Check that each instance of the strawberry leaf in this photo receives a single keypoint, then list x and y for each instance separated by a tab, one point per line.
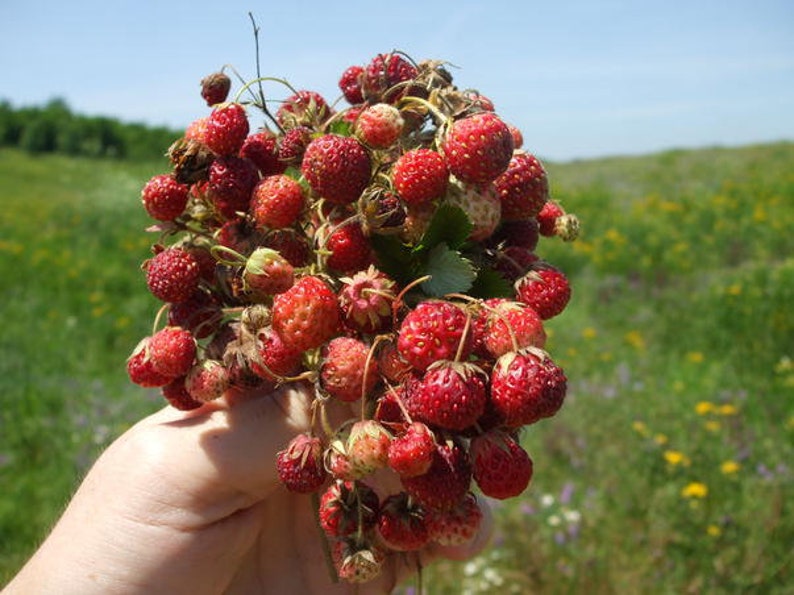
449	272
394	258
341	128
450	225
490	284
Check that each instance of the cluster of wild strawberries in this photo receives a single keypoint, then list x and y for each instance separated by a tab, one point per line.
382	254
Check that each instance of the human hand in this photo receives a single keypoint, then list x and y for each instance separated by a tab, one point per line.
190	502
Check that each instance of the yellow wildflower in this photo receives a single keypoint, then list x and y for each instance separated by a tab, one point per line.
729	467
712	426
635	339
714	530
704	407
695	357
660	439
640	427
728	409
695	489
589	333
675	457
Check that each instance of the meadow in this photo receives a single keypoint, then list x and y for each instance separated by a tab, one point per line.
668	470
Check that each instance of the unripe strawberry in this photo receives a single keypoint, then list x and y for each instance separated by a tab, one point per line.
367	447
481	205
356	561
207	381
379	126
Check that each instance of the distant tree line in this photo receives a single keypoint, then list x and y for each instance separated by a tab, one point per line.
54	128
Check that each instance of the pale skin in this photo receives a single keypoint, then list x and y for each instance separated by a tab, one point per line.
190	502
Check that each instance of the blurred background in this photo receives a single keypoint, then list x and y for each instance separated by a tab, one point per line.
666	128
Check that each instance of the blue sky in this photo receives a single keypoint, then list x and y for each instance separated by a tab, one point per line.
579	78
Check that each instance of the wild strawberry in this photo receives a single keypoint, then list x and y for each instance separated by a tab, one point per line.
172	351
456	525
164	198
511	326
140	369
446	482
350	84
434	330
545	289
379	126
367	447
501	467
417	221
478	148
388	410
526	386
522	233
277	201
383	211
347	507
480	204
197	130
357	561
290	245
383	77
304	108
177	396
172	275
518	138
307	314
227	128
513	262
300	465
391	364
450	395
349	249
215	88
231	180
366	300
547	217
201	314
411	452
293	145
420	175
523	188
207	380
261	149
239	234
337	168
347	371
266	272
275	358
480	101
401	524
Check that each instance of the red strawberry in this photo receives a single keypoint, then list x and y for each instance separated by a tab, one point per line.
347	507
366	300
420	175
201	314
547	217
411	452
177	396
164	198
215	88
337	168
307	314
207	380
300	465
293	145
434	330
521	234
275	358
513	262
266	273
277	201
456	525
231	180
173	275
481	205
511	326
545	289
367	447
261	149
526	386
172	351
379	126
140	369
290	245
478	148
227	128
349	249
382	78
197	130
347	371
350	84
391	364
304	108
450	395
501	467
446	482
401	524
523	188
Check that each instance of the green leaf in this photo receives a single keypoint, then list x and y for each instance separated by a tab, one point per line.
341	128
449	272
394	258
450	225
490	284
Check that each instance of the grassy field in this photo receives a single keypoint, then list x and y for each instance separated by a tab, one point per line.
669	470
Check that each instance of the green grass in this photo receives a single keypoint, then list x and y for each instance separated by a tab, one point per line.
667	471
